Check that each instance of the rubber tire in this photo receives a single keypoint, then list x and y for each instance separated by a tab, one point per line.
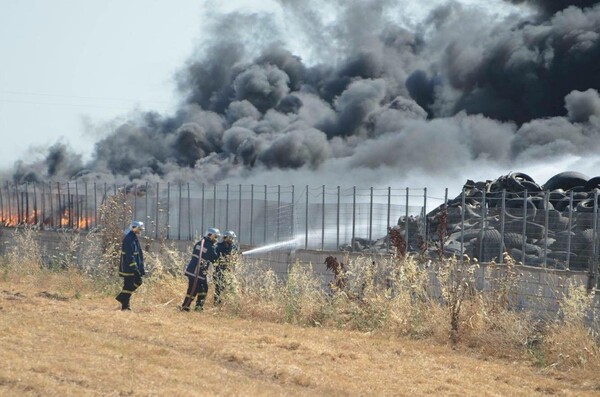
566	180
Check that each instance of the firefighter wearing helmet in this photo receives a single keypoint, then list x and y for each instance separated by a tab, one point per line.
203	254
226	250
131	266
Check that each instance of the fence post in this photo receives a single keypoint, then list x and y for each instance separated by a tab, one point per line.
482	229
353	217
35	208
134	200
214	205
389	210
592	273
19	200
337	241
227	207
145	203
2	205
95	203
292	212
278	211
78	205
524	239
189	212
323	221
42	202
8	198
426	226
202	212
240	211
502	220
252	214
306	222
156	218
371	216
546	225
570	224
168	210
179	212
70	205
19	204
59	212
87	210
406	223
51	205
462	225
265	218
27	212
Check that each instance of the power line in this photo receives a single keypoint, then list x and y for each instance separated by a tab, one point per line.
61	104
41	94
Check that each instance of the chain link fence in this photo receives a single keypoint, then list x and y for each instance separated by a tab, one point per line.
315	217
542	229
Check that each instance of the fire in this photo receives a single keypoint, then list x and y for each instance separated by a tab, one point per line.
11	221
64	219
35	218
73	221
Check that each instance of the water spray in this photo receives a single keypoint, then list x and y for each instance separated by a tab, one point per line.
292	244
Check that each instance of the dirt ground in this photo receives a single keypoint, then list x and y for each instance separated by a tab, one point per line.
60	345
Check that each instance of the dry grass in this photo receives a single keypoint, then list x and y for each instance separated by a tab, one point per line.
59	337
384	333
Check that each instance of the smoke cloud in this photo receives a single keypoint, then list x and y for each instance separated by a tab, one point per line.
375	97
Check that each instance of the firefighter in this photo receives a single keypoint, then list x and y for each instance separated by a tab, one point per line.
203	255
225	250
131	266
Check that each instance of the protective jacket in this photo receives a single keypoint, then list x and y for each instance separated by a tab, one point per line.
224	249
132	258
202	259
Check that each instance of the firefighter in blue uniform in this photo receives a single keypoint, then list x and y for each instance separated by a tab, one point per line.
203	255
225	251
131	266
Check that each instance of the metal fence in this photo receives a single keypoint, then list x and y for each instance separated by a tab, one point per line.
314	217
536	230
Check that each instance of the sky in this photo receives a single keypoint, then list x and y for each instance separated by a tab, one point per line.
70	64
314	92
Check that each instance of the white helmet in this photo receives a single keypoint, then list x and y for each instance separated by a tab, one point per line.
229	234
213	231
137	225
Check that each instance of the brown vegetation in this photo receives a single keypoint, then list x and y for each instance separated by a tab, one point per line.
61	339
384	333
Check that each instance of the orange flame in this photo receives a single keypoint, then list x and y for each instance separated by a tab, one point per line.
77	223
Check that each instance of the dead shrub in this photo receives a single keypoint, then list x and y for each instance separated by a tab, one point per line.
115	215
570	341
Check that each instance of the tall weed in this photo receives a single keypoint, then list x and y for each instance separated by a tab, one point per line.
571	341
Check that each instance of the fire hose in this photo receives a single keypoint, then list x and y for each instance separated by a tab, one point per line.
188	299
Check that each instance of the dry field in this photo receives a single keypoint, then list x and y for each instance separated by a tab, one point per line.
57	342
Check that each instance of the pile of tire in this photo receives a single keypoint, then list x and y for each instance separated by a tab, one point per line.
554	224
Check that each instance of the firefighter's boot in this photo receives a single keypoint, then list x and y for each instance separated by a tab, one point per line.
185	306
200	302
124	300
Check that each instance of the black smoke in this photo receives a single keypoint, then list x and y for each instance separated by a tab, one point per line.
550	7
374	97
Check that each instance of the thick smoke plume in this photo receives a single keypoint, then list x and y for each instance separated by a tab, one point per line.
376	99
